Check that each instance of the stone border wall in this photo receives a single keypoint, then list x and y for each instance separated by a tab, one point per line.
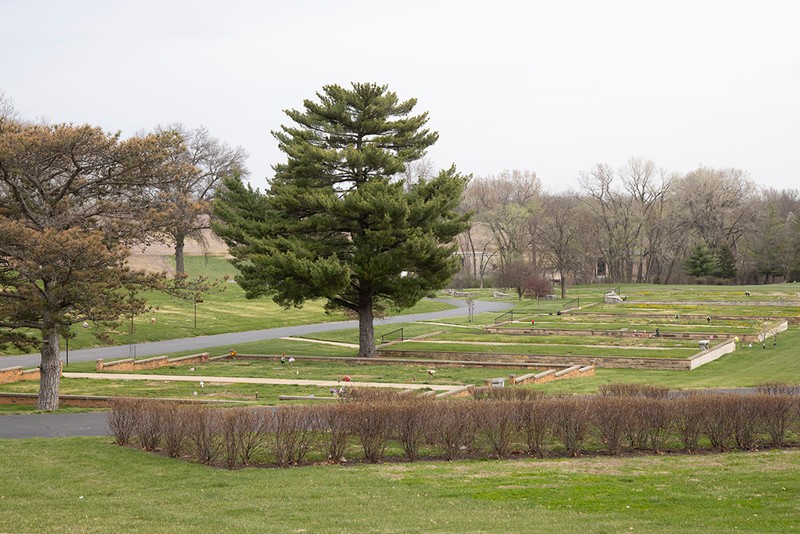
18	373
780	325
129	364
612	333
790	320
576	371
548	360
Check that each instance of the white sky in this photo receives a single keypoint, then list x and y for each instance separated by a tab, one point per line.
553	87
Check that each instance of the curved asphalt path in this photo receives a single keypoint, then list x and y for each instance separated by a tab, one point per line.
94	424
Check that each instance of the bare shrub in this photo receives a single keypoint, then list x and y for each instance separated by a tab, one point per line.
657	418
497	420
571	422
201	425
637	427
411	421
719	420
745	420
690	414
292	429
452	427
775	413
375	395
634	390
336	429
149	423
371	423
612	416
175	429
510	393
249	431
123	419
534	421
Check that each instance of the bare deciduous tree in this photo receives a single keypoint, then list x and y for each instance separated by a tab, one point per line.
185	194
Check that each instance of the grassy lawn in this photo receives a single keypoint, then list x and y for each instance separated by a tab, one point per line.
228	311
88	484
669	310
335	370
555	350
639	324
350	335
660	343
250	393
687	293
744	368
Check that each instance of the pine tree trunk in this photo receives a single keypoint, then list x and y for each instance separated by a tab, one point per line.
50	375
366	330
179	243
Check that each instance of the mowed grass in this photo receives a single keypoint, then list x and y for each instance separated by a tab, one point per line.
247	393
746	367
789	293
336	370
222	312
544	349
89	484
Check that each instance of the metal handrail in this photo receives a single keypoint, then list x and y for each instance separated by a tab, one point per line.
577	300
499	318
392	332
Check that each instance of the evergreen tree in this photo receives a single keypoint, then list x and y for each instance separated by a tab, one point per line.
700	261
724	262
336	223
70	197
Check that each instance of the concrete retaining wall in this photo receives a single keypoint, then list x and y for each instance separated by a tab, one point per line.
714	353
774	331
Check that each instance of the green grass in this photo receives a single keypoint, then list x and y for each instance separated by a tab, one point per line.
89	484
335	370
641	325
250	393
668	310
471	335
555	350
228	311
350	335
746	367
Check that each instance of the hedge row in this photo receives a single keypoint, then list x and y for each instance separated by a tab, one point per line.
498	423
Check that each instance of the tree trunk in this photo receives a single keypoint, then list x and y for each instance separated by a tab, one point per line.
50	375
563	283
366	330
180	241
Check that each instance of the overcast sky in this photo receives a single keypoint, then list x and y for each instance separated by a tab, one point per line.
554	87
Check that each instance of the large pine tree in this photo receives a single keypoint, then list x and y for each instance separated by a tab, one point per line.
337	221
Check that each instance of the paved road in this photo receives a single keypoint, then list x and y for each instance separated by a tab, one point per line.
94	424
226	341
53	425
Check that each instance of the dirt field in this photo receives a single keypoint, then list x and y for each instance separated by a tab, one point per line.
151	258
